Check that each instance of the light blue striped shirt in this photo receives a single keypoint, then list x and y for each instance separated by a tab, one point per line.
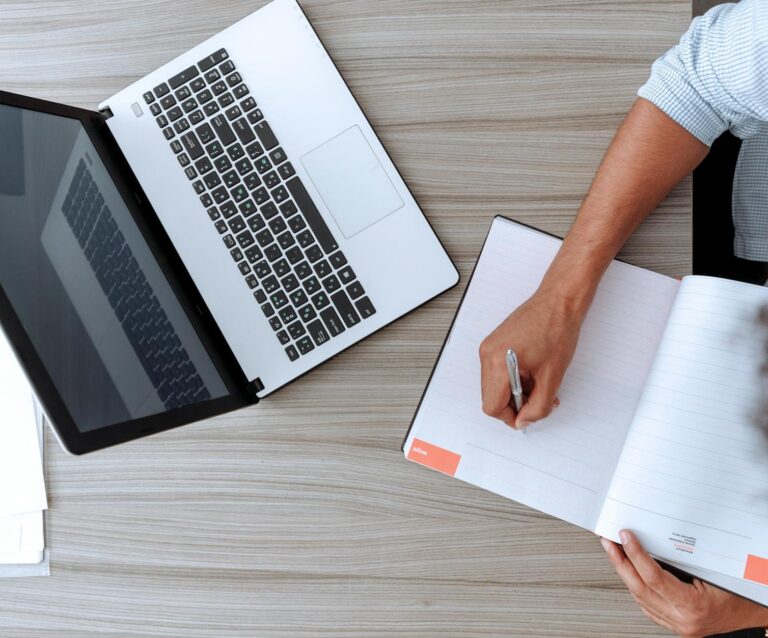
716	79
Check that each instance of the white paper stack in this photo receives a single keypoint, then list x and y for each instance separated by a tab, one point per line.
22	484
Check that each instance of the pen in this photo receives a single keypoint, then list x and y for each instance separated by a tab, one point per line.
514	379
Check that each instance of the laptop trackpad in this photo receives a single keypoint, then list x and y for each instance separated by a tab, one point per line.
351	181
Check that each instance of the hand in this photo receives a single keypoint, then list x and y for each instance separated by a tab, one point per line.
689	610
543	333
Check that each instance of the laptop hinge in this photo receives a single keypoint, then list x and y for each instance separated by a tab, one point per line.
106	112
254	387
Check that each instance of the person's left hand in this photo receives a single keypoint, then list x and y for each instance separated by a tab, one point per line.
690	610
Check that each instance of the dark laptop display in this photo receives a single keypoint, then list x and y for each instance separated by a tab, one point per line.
80	277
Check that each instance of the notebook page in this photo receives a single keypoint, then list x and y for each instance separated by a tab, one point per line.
692	480
562	465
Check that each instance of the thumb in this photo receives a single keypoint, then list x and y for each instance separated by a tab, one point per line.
538	405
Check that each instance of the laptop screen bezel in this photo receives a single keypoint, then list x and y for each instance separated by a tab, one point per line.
240	392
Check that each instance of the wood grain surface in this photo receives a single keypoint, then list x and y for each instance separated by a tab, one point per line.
300	517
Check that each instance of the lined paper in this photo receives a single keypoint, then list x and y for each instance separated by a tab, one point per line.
564	464
692	480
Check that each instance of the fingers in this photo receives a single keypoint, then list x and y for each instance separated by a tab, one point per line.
649	570
496	392
540	402
627	572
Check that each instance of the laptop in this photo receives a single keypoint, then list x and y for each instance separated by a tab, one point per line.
213	232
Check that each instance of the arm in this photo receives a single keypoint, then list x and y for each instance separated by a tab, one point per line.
648	156
715	79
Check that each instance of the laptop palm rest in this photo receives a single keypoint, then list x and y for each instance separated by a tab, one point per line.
351	181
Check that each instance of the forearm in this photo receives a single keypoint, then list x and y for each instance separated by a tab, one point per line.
648	156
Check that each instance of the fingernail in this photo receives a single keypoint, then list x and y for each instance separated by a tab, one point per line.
606	544
521	425
624	536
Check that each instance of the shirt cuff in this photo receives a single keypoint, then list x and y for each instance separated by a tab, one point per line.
673	94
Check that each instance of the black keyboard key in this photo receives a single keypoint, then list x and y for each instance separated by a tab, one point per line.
275	323
253	254
168	101
278	299
299	297
169	133
286	240
185	76
288	208
266	136
183	93
267	309
312	215
271	180
199	187
261	196
244	268
271	284
211	109
365	307
269	210
229	241
346	275
255	150
197	84
257	223
234	113
162	121
260	296
204	96
305	239
290	283
239	193
196	117
248	104
234	79
252	181
218	88
262	270
251	281
213	60
225	100
337	259
223	130
277	225
346	309
286	170
214	149
235	152
212	76
189	105
183	159
305	345
307	313
227	67
212	180
236	224
248	208
221	226
223	163
213	213
176	146
323	269
355	290
203	165
332	321
149	97
240	91
191	174
277	156
255	116
312	285
317	332
321	300
245	239
220	195
231	179
331	284
281	267
263	165
205	133
287	314
303	270
192	145
161	90
244	131
283	338
228	209
314	253
181	126
292	353
206	200
264	238
272	253
296	329
155	109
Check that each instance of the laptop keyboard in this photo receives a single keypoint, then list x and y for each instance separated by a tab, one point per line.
275	235
143	319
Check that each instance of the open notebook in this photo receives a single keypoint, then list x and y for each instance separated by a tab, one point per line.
655	428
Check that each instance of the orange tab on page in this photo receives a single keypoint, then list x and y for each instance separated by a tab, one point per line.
434	457
756	569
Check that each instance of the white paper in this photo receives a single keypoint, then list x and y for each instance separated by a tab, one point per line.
693	476
562	465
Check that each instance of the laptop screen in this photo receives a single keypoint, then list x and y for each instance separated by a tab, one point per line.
93	300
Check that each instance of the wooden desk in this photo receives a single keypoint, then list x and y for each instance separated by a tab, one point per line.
300	517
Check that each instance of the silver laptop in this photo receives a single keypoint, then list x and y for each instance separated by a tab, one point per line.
287	215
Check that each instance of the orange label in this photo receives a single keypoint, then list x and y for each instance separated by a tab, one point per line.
756	569
434	457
